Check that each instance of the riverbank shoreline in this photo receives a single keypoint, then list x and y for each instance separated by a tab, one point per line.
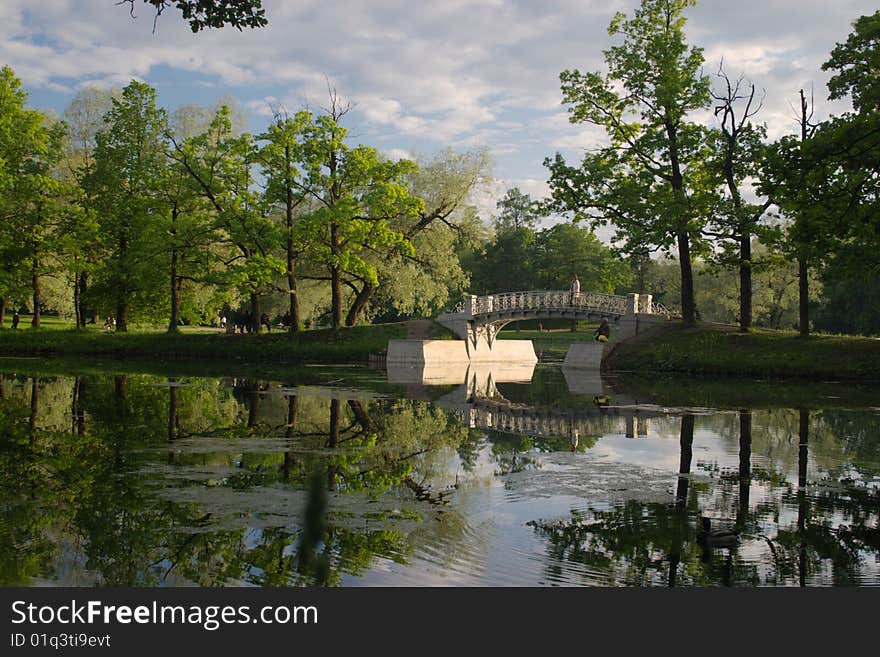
721	350
324	346
707	349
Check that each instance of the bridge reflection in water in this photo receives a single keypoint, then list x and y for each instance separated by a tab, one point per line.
476	399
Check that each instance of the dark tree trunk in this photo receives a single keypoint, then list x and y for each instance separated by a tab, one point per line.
255	326
122	298
803	449
745	283
333	441
360	303
745	466
35	408
36	285
295	322
292	407
2	311
803	298
174	320
335	278
688	306
79	426
77	308
254	405
122	314
82	289
686	443
173	413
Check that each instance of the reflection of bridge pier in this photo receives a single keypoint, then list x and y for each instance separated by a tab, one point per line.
478	402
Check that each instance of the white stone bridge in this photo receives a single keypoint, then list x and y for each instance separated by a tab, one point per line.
481	318
477	321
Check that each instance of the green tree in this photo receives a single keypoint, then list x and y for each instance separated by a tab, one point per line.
738	147
281	160
517	210
30	148
202	14
424	281
129	160
222	166
848	150
360	197
566	249
642	182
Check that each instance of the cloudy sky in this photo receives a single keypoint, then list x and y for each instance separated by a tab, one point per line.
422	75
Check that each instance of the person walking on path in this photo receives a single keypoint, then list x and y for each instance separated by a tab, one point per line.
16	318
575	289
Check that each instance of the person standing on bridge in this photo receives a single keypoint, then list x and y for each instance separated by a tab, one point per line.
575	289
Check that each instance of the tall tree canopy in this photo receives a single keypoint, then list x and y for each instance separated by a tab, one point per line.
642	181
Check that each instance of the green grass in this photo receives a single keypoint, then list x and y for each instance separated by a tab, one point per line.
721	350
551	345
348	345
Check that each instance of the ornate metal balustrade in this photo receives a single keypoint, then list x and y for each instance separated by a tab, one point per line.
480	318
509	302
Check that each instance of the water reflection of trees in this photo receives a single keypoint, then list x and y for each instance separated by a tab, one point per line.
822	529
140	481
136	481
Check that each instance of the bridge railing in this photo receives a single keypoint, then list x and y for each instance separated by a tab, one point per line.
552	300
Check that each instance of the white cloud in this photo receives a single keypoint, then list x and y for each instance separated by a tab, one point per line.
424	75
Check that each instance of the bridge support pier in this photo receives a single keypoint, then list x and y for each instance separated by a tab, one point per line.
441	352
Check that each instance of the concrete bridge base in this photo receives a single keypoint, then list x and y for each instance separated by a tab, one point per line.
440	352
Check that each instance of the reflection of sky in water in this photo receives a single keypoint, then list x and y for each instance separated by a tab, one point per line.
483	534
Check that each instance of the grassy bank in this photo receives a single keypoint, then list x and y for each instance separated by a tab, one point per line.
551	345
721	350
348	345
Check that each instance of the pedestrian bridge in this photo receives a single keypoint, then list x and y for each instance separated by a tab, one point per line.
477	320
481	318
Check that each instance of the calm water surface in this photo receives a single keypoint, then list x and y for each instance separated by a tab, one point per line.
355	477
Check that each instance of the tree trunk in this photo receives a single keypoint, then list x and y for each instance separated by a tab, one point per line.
122	298
686	443
77	309
35	408
360	303
333	441
122	314
255	313
745	283
173	413
803	298
335	278
37	290
83	286
295	322
174	320
745	467
803	504
688	306
292	407
2	311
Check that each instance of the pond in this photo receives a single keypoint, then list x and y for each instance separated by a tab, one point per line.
504	477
